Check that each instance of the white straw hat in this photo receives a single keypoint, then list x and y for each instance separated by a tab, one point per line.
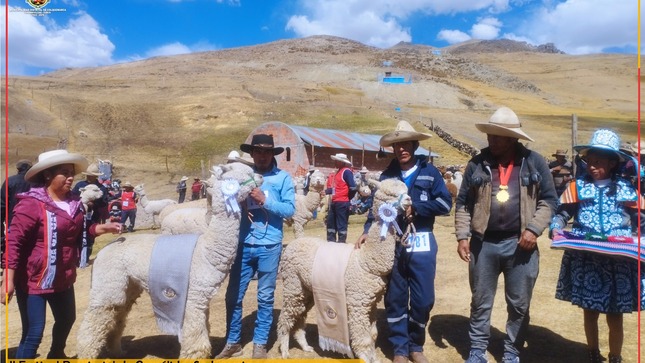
342	158
504	122
52	158
403	132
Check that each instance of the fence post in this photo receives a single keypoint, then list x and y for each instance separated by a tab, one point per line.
167	170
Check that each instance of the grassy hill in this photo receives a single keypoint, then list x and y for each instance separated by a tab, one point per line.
163	117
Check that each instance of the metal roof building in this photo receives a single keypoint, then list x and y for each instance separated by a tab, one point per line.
305	146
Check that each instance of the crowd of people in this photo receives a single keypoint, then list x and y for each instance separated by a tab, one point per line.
508	198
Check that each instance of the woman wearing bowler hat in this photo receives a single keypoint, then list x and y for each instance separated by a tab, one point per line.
48	234
603	205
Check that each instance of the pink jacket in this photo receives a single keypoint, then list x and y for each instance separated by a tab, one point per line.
26	251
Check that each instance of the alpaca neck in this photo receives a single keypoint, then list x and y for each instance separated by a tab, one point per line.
143	200
220	240
377	255
312	200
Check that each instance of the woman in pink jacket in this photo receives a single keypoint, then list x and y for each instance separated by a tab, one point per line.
46	236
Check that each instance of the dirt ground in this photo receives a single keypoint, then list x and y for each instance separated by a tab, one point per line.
556	330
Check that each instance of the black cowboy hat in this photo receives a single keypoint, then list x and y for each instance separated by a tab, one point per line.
262	141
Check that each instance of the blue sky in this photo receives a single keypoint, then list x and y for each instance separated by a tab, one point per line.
90	33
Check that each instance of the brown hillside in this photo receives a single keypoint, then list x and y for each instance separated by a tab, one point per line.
162	117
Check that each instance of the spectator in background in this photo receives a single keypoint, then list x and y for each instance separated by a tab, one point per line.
181	189
561	170
12	186
342	188
129	200
99	208
47	231
196	189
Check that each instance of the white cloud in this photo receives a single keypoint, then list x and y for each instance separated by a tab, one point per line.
48	45
487	28
379	22
179	48
453	36
168	49
584	26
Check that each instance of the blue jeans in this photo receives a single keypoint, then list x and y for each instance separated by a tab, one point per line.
520	269
265	260
32	314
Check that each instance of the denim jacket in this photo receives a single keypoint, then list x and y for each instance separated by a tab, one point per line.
538	198
266	226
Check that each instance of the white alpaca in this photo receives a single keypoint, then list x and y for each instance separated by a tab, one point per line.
186	220
120	275
188	217
152	207
306	204
365	279
199	203
90	193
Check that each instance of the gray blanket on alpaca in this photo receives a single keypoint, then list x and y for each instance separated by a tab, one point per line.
168	279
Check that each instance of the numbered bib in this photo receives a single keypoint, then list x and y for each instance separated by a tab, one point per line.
419	242
126	203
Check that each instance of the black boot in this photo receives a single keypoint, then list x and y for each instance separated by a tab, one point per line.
594	356
615	358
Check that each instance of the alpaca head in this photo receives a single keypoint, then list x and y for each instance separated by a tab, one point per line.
364	190
390	191
90	193
317	181
139	190
236	178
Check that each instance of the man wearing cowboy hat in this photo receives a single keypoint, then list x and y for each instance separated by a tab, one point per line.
506	200
181	189
561	170
99	208
129	200
260	247
342	188
410	292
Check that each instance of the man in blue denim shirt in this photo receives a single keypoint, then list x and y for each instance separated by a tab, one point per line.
260	247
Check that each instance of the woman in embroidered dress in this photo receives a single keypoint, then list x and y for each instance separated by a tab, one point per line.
603	205
44	245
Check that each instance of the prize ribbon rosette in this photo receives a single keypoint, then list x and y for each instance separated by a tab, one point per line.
609	245
230	188
387	213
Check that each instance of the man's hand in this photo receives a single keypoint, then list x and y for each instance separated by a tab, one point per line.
258	196
528	240
360	241
409	214
463	249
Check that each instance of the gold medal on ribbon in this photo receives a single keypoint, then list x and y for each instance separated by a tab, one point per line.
502	194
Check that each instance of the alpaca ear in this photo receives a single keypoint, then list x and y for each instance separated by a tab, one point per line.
217	171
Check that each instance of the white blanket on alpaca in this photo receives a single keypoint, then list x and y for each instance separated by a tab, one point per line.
168	279
328	284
